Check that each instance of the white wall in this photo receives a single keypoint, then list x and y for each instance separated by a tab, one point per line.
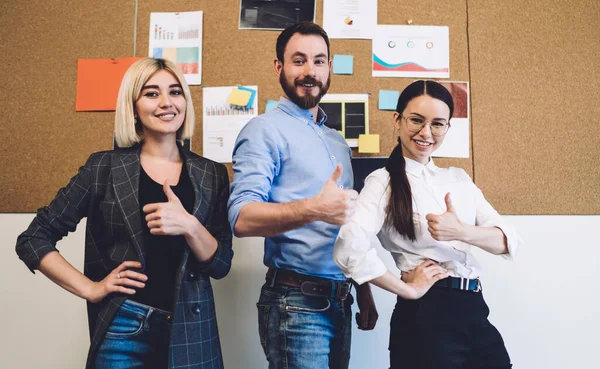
545	304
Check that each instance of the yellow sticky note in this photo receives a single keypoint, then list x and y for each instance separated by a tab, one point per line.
368	144
239	97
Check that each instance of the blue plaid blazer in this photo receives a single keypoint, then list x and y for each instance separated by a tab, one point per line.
105	190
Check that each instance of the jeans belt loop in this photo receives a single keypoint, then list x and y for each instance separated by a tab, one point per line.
334	291
273	277
342	290
147	320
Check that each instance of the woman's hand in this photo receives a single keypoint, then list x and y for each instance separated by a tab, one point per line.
120	280
423	277
446	226
169	218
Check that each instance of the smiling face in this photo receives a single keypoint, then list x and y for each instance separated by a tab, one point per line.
161	105
305	71
420	145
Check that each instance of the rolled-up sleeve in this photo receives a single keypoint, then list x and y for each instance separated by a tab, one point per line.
354	252
256	161
487	216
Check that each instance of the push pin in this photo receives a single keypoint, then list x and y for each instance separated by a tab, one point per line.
409	22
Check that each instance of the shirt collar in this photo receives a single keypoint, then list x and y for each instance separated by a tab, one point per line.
416	169
302	114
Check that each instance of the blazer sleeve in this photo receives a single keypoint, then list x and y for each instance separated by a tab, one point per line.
56	220
218	226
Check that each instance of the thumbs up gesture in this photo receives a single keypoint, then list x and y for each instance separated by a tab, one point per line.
168	218
333	204
446	226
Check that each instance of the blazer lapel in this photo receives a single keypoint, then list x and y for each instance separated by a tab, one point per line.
126	182
197	179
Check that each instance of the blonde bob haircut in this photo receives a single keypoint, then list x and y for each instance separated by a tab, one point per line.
128	130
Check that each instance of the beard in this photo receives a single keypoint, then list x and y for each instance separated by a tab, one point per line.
308	101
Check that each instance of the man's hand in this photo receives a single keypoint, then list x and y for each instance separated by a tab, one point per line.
335	205
367	317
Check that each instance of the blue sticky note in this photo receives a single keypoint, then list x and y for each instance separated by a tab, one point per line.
388	99
253	94
271	104
343	64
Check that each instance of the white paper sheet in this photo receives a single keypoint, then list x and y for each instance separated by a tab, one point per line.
457	142
350	18
178	38
223	122
411	51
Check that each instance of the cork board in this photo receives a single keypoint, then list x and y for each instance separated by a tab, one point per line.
536	101
45	141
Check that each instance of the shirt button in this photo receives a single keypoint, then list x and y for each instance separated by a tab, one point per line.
320	132
342	187
196	308
305	121
192	275
332	157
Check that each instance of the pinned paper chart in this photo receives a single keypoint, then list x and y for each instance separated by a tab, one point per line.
411	51
456	143
178	37
223	118
350	18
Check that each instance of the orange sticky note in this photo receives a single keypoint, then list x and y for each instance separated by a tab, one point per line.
98	82
239	97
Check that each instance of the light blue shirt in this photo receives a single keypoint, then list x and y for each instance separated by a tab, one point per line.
282	156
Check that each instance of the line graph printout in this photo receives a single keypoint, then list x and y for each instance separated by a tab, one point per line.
411	51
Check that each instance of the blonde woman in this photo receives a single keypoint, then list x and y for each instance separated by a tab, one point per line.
156	232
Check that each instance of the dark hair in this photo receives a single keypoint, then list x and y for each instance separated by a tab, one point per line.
399	212
304	28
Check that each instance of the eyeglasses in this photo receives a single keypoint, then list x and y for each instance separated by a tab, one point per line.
416	124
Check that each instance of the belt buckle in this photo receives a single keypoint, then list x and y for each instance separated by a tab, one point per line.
342	291
309	288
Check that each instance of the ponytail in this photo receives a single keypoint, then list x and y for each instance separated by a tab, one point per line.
399	212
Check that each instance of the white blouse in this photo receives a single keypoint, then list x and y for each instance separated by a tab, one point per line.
355	254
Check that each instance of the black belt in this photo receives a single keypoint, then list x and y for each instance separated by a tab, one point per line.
464	284
310	285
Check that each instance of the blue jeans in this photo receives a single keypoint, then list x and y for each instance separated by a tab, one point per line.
303	332
138	337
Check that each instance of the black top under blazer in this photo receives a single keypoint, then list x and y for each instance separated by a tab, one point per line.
105	190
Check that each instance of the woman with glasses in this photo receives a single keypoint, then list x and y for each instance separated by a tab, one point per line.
428	217
156	232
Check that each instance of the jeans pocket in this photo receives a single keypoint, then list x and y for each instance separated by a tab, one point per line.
306	304
263	324
126	323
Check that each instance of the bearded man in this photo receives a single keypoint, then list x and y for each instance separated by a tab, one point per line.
293	185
